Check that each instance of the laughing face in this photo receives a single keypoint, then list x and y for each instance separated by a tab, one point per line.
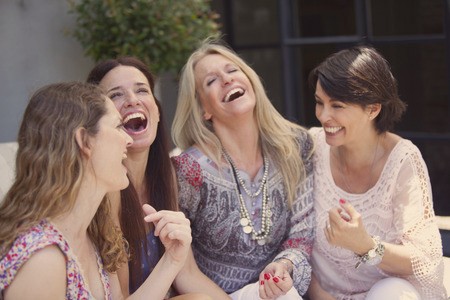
224	90
344	123
130	91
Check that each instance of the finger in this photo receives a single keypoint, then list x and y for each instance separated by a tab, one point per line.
349	209
148	209
335	218
169	228
163	217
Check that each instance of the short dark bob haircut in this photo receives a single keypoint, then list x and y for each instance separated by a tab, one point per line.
362	76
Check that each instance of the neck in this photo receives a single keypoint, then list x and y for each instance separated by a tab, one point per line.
136	164
243	146
74	223
360	155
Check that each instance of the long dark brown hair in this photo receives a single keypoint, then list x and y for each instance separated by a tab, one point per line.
159	175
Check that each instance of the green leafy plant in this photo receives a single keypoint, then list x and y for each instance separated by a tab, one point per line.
160	32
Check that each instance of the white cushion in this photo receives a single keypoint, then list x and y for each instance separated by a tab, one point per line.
7	166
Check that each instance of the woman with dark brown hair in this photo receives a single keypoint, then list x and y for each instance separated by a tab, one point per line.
130	84
377	236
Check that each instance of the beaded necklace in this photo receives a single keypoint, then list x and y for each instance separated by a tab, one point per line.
245	221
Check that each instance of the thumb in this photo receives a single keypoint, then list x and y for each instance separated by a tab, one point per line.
148	209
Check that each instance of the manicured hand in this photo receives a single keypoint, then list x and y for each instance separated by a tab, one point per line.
345	229
274	281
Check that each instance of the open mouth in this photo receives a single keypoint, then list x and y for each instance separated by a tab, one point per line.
233	95
135	123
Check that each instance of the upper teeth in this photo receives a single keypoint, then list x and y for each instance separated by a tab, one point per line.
332	129
236	90
133	116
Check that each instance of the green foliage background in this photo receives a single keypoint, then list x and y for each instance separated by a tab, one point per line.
162	33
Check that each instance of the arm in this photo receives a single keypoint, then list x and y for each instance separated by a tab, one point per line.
417	233
43	276
192	280
298	246
174	232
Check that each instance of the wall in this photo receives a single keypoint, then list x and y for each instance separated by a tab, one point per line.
35	49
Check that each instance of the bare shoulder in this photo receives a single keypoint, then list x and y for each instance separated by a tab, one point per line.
43	276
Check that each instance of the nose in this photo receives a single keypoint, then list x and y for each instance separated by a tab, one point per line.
226	78
131	99
322	113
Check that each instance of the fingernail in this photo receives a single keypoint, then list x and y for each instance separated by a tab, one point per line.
342	201
266	276
262	282
275	279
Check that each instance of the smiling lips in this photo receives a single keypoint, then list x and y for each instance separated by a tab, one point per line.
332	130
233	95
135	123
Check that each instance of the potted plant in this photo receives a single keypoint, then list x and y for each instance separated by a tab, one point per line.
162	33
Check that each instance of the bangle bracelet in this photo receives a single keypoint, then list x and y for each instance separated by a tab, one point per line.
289	265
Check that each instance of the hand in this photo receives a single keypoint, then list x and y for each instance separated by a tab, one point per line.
274	281
173	229
345	229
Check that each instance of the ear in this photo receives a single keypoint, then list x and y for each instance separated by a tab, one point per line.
82	139
373	110
207	116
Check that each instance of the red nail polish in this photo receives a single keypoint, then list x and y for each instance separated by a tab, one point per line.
342	201
262	282
275	279
266	276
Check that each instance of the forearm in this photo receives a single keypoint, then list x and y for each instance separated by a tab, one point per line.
396	260
191	280
160	279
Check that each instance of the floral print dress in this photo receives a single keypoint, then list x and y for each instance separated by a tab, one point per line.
37	237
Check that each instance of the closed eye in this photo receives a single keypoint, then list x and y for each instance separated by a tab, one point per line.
115	95
210	81
142	91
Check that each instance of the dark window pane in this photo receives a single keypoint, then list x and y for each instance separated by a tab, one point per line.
421	71
255	22
407	17
435	153
323	18
266	63
307	58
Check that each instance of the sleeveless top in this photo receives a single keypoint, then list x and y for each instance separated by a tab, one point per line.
37	237
398	208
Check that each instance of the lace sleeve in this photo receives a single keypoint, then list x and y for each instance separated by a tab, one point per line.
189	176
414	216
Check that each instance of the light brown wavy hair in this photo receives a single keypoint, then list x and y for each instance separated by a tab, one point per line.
49	167
278	135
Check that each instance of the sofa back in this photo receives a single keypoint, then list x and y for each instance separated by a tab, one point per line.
7	166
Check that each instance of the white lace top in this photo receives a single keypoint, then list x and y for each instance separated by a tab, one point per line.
398	208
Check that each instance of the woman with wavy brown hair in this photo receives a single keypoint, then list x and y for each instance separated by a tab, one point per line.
57	237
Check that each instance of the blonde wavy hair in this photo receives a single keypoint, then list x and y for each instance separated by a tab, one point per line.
49	167
278	136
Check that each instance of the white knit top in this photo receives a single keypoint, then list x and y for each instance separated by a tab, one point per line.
398	208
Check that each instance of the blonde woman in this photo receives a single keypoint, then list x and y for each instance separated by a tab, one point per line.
245	178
